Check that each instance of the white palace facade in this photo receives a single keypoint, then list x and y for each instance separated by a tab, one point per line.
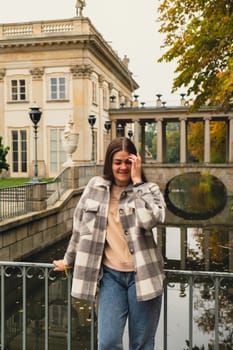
69	71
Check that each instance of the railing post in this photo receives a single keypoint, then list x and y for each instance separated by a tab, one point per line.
24	306
165	317
216	318
46	338
92	326
2	308
39	197
190	312
69	315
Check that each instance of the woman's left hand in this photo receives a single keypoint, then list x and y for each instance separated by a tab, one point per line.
136	168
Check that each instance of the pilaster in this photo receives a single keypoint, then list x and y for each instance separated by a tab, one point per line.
81	91
2	101
183	140
136	133
160	144
207	139
230	150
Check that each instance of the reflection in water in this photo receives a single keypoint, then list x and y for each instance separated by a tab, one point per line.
206	248
195	195
203	248
58	298
197	246
201	294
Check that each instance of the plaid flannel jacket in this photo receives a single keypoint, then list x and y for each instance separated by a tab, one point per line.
140	209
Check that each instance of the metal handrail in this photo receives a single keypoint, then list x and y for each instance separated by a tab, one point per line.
23	270
187	280
15	201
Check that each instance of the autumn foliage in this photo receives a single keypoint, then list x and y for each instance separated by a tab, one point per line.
199	37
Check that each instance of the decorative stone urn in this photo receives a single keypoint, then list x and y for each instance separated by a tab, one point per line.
69	142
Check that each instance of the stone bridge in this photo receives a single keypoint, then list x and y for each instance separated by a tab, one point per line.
163	173
27	234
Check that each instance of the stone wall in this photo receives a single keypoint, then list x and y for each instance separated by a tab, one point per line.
27	234
163	173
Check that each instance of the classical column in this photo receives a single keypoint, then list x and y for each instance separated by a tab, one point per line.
143	143
230	150
82	89
113	128
206	233
2	123
207	139
160	140
101	143
161	239
159	236
183	139
183	247
136	132
230	235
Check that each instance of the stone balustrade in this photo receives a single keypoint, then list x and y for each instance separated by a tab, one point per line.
76	26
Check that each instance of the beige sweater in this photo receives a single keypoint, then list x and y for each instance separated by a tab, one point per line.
116	255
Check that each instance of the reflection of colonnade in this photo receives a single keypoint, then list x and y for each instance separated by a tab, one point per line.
185	246
138	118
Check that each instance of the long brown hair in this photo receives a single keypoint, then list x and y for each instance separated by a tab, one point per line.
116	145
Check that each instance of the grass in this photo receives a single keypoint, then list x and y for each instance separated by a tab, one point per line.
9	182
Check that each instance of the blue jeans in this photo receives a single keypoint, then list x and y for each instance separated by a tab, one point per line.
117	302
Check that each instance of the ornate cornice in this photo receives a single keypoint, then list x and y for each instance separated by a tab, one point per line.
2	74
81	71
110	87
101	80
37	73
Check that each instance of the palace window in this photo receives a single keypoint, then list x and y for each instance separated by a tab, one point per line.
19	151
105	98
94	92
18	90
57	153
58	89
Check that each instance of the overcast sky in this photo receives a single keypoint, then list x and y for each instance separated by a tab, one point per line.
129	26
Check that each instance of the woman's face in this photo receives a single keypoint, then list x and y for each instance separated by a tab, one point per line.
121	168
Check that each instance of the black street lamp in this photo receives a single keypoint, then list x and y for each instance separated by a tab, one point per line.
130	133
35	115
112	98
108	125
91	121
120	130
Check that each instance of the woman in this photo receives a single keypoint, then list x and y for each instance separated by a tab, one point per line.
112	247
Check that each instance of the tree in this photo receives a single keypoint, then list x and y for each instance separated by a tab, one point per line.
199	35
3	154
196	141
172	142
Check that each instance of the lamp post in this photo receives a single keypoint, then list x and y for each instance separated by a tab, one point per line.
108	125
158	101
91	121
130	133
35	115
120	130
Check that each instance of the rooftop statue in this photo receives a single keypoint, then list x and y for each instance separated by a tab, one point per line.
80	4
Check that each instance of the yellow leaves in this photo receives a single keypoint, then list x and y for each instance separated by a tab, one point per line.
199	37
